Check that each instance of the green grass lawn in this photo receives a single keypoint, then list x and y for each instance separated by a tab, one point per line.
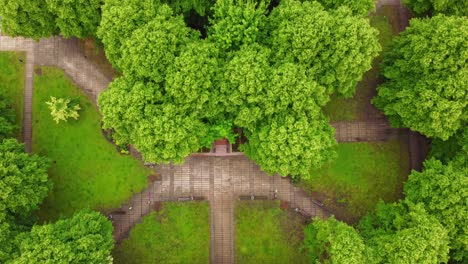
12	75
362	174
179	233
348	109
267	234
87	171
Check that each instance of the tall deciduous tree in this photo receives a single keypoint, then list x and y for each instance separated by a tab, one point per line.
333	242
448	7
139	113
244	83
237	22
120	18
7	119
359	7
404	233
152	48
84	238
427	77
443	189
24	181
336	47
76	18
291	144
192	82
27	18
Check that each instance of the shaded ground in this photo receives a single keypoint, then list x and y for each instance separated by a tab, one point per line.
267	234
359	107
86	170
179	233
362	174
12	74
94	53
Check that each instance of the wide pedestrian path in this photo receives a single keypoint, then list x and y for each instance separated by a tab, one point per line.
222	181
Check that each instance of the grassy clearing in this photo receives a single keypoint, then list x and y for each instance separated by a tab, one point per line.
267	234
179	233
12	75
349	109
86	169
362	174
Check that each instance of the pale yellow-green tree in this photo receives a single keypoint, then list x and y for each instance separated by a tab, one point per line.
63	109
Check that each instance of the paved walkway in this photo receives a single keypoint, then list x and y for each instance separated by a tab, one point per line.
59	52
221	181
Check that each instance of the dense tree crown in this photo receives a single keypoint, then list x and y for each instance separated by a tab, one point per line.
359	7
332	241
448	7
23	178
7	119
427	77
443	189
84	238
43	18
257	70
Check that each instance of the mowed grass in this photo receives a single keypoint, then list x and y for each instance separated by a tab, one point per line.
12	75
267	234
362	174
86	170
179	233
349	109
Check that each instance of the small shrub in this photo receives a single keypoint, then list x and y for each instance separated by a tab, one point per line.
63	109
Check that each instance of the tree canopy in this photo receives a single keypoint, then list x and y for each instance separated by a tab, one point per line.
359	7
331	241
404	233
84	238
43	18
336	47
7	119
426	73
179	90
443	189
23	178
76	18
27	18
448	7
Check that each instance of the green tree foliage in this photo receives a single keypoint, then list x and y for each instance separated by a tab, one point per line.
120	18
7	232
244	83
359	7
443	189
76	18
192	81
201	7
427	77
84	238
137	113
7	119
237	22
27	18
331	241
291	144
457	144
336	47
161	40
63	109
404	233
179	91
448	7
23	178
